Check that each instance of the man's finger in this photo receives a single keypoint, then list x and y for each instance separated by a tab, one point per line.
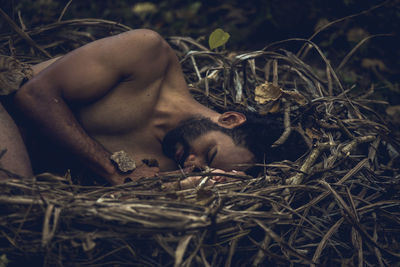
219	179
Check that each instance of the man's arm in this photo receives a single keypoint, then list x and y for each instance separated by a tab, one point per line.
13	155
85	75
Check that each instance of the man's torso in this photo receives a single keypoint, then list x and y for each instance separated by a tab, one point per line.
132	116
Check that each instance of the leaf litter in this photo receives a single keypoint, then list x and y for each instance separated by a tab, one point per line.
337	204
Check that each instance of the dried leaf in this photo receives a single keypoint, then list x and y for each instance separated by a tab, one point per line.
370	63
12	74
267	92
276	107
296	97
124	162
270	107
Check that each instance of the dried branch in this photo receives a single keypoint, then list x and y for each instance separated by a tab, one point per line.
23	34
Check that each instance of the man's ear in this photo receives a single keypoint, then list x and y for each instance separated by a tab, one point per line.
231	119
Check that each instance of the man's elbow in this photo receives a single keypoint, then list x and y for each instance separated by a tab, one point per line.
152	44
25	96
30	95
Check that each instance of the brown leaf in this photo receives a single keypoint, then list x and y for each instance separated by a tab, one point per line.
370	63
267	92
296	97
12	74
124	162
275	107
270	107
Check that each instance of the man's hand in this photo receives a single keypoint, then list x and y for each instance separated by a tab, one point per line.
141	171
194	181
86	77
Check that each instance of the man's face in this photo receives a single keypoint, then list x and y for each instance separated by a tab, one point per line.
199	142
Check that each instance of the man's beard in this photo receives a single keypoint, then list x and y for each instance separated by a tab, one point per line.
184	134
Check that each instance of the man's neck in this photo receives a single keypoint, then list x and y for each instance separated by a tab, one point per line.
178	108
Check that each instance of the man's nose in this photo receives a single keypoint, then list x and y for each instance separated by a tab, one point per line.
193	161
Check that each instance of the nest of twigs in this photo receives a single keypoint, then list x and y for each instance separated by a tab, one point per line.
338	204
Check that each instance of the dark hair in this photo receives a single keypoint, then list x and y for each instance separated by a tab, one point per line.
258	134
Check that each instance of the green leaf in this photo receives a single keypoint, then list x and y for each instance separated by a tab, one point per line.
218	38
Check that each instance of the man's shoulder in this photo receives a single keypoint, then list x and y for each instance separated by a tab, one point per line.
140	51
136	40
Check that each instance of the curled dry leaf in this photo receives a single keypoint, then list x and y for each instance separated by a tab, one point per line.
12	74
267	92
124	162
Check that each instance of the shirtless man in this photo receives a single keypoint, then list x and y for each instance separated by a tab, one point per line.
128	93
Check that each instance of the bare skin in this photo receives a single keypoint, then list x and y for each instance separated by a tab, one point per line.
14	157
130	91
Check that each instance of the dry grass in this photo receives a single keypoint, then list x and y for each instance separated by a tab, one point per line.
337	204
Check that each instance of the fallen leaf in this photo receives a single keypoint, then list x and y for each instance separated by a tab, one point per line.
370	63
276	107
267	92
270	107
296	97
12	74
123	161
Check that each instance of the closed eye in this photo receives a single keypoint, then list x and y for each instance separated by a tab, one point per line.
212	157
